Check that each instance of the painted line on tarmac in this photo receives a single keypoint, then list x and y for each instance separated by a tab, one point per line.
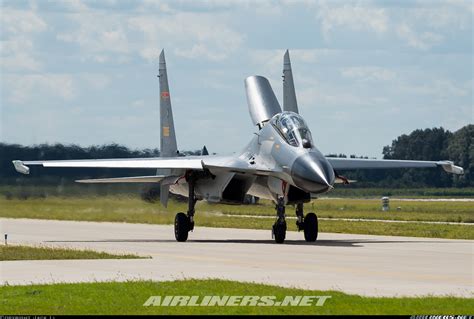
355	220
404	199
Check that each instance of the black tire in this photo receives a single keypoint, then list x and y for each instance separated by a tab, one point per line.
311	227
279	232
181	227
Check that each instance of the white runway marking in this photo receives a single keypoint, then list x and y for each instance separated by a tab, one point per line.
405	199
353	219
357	264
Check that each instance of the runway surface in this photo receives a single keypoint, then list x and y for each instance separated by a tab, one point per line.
358	264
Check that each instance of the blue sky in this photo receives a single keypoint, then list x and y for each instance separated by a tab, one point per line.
365	71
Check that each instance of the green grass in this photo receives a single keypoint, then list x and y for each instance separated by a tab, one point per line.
134	210
421	192
371	209
29	186
115	298
15	252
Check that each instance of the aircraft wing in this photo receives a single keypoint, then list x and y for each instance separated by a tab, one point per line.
169	162
355	163
215	164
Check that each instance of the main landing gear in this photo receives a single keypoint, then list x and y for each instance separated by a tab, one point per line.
183	223
308	223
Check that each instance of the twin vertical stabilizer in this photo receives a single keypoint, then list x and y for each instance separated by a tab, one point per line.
168	145
289	95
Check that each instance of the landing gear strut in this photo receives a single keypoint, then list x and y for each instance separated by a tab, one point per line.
308	223
279	228
183	223
299	216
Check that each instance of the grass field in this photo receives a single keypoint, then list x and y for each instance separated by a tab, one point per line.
128	298
15	252
29	187
134	210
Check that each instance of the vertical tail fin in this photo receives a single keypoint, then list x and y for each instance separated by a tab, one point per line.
168	145
289	94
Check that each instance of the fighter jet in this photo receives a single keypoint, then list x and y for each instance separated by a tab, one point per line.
281	162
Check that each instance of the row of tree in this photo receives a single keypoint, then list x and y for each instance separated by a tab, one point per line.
429	144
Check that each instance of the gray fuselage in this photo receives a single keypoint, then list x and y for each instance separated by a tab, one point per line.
285	148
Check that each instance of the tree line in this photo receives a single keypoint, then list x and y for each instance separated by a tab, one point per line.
428	144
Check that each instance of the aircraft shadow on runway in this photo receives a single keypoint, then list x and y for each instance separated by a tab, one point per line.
323	242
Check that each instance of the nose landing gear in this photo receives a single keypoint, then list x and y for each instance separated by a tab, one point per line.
308	223
311	227
279	228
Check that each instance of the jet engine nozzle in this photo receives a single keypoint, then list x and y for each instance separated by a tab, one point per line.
312	173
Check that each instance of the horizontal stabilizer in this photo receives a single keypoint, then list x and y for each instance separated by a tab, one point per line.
132	179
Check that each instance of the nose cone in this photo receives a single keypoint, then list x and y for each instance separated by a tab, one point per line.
312	173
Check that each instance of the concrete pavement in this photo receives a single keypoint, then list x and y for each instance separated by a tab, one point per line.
357	264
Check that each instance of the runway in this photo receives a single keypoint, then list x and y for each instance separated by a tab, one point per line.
357	264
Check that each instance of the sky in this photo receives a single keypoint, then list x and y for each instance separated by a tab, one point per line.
365	72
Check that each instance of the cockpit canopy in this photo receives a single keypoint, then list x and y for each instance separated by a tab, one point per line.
293	128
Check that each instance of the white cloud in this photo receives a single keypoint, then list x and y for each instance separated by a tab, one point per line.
104	36
193	35
19	28
353	17
423	40
95	80
15	54
368	73
21	21
441	17
440	88
96	33
39	88
101	35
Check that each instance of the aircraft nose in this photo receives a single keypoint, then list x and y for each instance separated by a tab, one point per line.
312	173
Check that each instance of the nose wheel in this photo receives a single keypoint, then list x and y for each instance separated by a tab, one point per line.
311	227
279	228
308	224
